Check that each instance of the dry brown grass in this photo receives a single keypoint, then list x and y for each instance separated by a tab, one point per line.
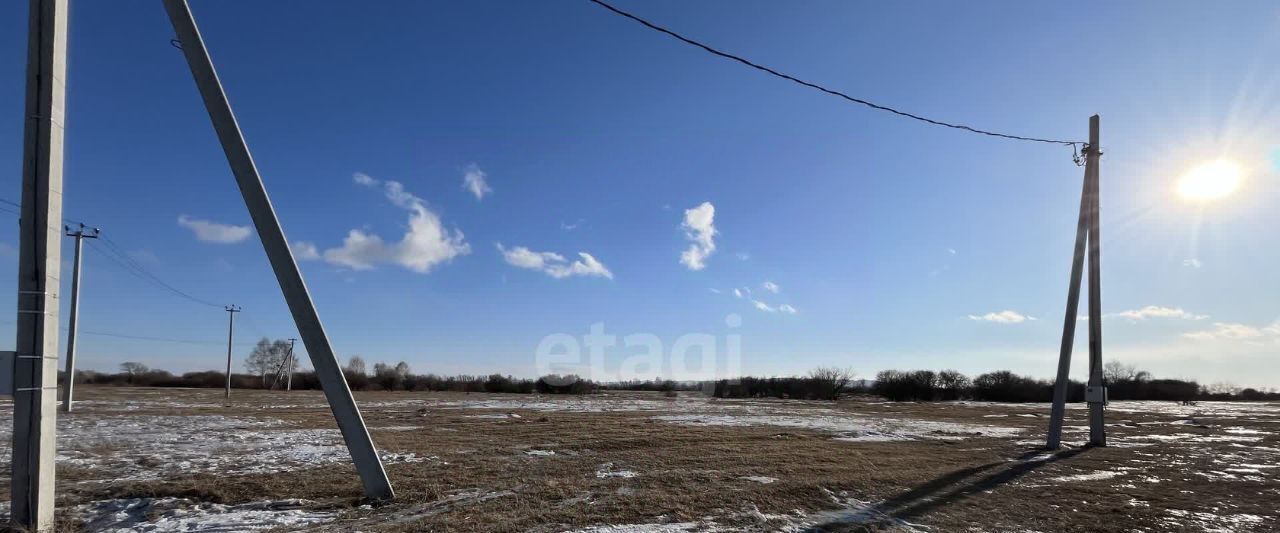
484	481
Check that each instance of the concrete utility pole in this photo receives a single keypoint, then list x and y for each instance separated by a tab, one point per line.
288	382
231	330
1087	231
35	371
307	320
80	236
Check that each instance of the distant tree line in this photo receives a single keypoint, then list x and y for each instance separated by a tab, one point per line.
1124	382
825	383
384	377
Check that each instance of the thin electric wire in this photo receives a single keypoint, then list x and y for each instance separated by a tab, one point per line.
19	212
832	92
112	253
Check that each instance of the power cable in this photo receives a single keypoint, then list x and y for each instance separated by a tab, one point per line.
832	92
121	259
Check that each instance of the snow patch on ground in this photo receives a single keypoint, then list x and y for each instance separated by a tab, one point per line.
178	514
852	428
1091	476
765	480
608	470
141	447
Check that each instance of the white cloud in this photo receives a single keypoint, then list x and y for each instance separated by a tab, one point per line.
426	243
1155	311
785	309
771	287
715	290
571	227
306	251
1231	331
1003	317
207	231
1193	263
553	264
742	293
699	228
951	251
476	181
743	256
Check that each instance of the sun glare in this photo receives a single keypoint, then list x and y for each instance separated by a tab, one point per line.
1210	181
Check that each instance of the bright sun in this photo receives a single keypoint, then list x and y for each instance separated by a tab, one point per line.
1211	180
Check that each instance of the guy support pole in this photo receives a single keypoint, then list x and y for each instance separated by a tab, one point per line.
231	329
307	320
1086	233
288	382
35	371
70	373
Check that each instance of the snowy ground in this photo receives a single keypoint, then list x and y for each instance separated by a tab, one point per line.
175	460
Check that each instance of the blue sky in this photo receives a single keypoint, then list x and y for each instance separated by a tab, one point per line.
892	244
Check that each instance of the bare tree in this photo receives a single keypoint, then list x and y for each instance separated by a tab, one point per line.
389	377
133	369
356	365
1116	372
268	358
831	381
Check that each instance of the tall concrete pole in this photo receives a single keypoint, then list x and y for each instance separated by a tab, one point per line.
341	402
231	332
1084	231
35	372
288	382
1097	392
70	373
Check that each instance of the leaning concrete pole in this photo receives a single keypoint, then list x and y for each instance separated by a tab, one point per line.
1084	231
35	371
354	432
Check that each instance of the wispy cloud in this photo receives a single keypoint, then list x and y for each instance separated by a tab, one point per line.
1155	311
553	264
771	287
306	251
699	228
573	226
207	231
476	181
743	256
785	309
1237	332
1192	262
426	243
1003	317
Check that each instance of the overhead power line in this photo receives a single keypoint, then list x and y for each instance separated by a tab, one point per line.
832	92
113	253
116	254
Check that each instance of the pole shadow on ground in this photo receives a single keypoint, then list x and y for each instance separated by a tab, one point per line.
944	490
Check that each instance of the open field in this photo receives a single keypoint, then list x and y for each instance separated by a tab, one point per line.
177	459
